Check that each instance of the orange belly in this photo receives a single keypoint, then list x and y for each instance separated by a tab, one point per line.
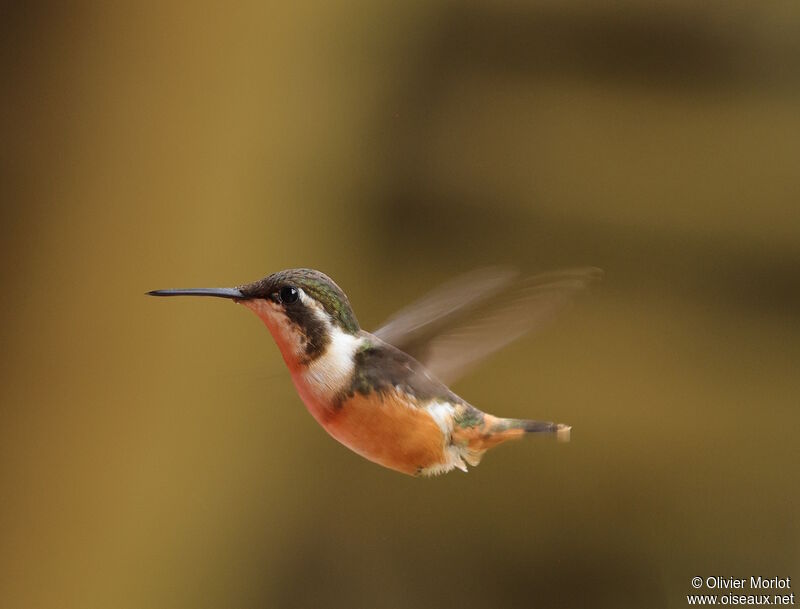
387	431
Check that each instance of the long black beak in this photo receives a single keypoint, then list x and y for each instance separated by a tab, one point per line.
232	293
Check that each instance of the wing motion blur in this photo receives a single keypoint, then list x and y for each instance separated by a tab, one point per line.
478	313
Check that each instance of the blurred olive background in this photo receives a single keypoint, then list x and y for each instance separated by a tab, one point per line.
154	453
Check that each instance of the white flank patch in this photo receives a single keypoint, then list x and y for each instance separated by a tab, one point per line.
442	414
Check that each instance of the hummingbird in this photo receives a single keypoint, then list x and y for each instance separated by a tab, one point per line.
385	394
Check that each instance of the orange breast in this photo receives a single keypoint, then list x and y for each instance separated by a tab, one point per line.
386	430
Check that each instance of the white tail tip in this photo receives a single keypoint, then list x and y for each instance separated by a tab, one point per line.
563	432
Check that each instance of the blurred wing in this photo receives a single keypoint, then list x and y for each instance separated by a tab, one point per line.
419	320
464	333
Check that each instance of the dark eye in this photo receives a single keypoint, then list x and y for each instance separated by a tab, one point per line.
289	294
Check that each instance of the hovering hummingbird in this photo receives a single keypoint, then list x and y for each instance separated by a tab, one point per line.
383	394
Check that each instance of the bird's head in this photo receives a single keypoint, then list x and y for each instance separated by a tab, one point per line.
304	310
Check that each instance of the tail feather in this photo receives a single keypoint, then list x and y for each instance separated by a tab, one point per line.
561	430
476	440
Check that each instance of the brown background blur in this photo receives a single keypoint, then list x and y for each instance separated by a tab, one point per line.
154	454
